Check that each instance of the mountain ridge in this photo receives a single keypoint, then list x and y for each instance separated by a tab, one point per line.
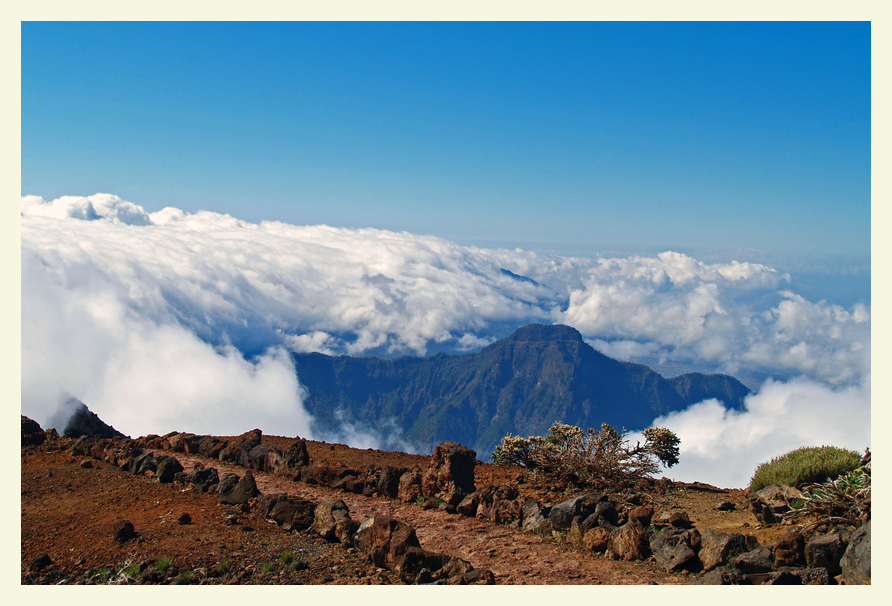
520	384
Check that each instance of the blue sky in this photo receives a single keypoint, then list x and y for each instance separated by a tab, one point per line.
735	139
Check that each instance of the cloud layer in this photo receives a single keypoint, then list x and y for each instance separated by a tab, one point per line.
185	317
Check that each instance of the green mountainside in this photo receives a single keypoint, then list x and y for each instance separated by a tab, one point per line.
521	384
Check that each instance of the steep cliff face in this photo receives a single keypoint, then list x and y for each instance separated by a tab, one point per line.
521	384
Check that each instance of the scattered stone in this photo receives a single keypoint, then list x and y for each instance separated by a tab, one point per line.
680	519
855	562
41	561
168	467
32	434
204	478
332	521
236	491
717	548
801	576
789	550
673	549
770	503
597	539
562	514
758	560
450	475
723	576
151	575
825	552
184	519
629	542
389	481
726	506
642	513
533	517
86	464
123	531
409	487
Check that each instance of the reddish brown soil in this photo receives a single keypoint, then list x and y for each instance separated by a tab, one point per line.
68	512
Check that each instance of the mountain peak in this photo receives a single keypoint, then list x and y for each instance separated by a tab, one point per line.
546	332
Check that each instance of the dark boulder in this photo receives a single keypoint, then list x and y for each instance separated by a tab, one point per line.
562	514
717	548
450	475
237	491
772	502
204	478
629	542
332	521
123	531
385	540
760	559
534	517
236	450
32	434
320	474
389	481
297	455
673	549
801	576
290	512
40	562
825	551
643	513
723	576
789	550
168	468
680	519
855	562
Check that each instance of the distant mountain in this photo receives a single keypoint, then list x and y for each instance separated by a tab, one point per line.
521	384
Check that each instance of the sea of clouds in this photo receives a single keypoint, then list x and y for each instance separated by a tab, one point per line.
170	320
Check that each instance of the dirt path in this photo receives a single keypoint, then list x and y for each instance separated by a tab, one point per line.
515	558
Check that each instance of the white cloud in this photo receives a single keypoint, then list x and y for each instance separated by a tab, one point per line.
139	376
88	208
107	289
731	315
724	447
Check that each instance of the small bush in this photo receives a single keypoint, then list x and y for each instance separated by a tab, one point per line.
805	466
267	567
222	566
164	563
188	576
588	457
287	556
845	499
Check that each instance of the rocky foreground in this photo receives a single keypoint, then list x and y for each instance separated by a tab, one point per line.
257	509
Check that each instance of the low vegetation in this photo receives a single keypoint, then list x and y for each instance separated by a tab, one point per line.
589	457
805	466
845	499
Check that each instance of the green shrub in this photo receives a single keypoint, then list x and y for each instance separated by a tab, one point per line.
164	563
588	457
805	466
845	499
287	556
188	576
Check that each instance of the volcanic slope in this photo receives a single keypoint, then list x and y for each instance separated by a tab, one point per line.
521	384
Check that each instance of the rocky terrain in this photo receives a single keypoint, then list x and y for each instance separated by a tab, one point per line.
260	509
